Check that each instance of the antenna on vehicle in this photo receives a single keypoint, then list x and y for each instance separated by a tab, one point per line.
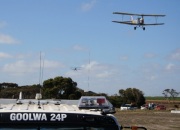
39	95
89	71
41	70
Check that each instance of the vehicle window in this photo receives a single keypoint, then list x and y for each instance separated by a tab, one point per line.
35	127
8	128
66	128
77	128
62	128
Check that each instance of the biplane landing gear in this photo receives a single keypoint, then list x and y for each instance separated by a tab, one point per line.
139	27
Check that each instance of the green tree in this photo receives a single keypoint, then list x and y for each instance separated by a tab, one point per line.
133	96
60	87
115	100
8	85
27	91
170	94
48	83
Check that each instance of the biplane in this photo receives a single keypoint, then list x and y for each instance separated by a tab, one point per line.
139	22
76	68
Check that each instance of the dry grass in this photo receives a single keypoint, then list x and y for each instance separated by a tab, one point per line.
151	119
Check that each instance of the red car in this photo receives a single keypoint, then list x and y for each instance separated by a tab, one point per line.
160	107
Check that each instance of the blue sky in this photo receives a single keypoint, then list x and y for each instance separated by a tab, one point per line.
80	33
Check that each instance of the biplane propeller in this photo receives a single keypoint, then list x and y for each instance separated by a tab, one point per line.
139	22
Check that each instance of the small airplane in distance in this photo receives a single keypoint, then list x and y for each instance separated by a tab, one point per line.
76	68
139	22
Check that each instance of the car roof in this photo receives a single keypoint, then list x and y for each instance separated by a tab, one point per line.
48	105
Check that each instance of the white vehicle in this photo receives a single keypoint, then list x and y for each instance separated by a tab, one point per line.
144	107
128	107
87	113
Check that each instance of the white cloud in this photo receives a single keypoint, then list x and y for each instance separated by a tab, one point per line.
16	56
151	77
6	39
23	67
149	55
79	48
4	55
88	6
149	72
175	55
21	56
104	74
17	67
52	64
92	65
170	67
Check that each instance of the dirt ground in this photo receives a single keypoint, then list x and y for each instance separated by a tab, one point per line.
151	119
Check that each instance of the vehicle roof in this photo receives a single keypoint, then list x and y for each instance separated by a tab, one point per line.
54	105
49	105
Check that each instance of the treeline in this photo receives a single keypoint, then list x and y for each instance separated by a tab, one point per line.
11	91
65	88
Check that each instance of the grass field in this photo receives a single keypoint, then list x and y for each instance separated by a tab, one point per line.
151	119
161	98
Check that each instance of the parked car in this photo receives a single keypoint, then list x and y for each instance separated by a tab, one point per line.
128	107
160	107
144	107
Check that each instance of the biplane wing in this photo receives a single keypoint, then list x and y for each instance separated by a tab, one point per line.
152	24
124	22
131	23
155	15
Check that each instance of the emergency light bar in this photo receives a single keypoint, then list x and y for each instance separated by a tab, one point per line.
93	102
